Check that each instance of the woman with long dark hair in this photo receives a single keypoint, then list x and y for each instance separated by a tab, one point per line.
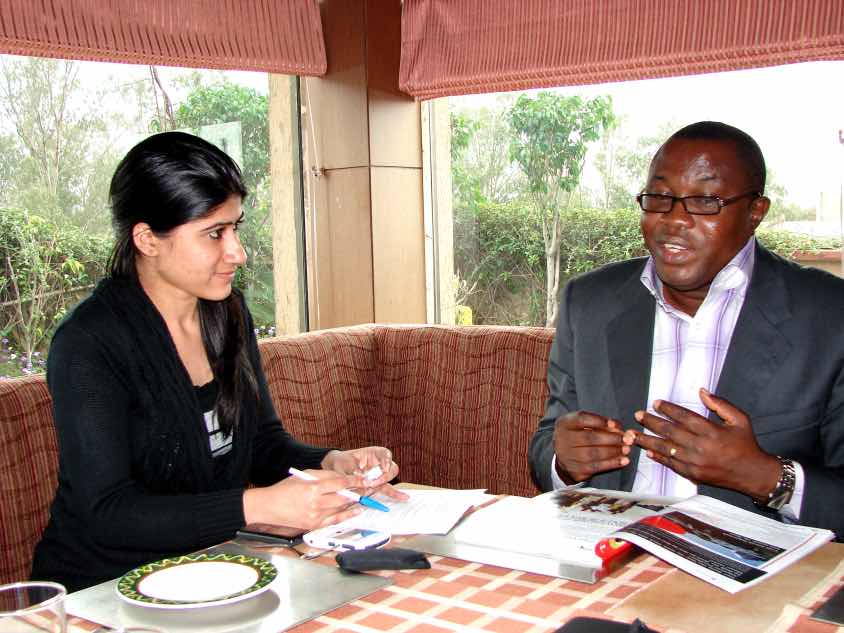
162	409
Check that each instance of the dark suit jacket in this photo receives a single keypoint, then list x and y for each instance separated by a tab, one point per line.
784	368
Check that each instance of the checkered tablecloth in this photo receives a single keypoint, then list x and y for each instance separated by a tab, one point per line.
457	595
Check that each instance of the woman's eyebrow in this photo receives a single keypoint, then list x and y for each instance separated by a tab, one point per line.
219	225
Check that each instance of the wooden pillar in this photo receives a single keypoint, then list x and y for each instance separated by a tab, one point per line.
362	155
286	197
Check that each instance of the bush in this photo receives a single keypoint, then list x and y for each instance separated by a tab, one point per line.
785	243
47	266
500	258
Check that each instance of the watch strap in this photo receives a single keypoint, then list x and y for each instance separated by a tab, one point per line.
783	491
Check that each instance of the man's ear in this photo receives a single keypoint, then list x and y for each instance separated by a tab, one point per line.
758	210
145	240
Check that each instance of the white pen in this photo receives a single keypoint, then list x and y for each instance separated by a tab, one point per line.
369	502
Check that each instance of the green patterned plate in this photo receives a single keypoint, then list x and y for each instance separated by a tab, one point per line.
196	580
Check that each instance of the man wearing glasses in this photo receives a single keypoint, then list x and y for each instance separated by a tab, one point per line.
712	366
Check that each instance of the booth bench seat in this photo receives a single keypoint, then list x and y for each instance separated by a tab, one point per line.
457	405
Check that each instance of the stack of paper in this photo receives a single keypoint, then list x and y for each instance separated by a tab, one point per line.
425	512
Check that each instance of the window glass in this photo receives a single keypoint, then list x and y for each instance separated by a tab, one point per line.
543	182
64	125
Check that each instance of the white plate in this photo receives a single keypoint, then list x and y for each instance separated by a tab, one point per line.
196	580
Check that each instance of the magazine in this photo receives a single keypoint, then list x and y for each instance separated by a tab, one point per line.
717	542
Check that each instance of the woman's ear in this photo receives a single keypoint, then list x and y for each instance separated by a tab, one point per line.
145	240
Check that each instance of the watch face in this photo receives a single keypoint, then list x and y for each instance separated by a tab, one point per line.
778	501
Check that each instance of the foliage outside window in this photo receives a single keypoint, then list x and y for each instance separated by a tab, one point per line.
64	125
543	189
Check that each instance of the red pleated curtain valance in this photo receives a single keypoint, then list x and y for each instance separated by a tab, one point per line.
278	36
454	47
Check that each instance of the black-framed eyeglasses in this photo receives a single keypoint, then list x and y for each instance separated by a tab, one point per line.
696	205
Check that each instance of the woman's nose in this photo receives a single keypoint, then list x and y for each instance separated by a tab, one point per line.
235	253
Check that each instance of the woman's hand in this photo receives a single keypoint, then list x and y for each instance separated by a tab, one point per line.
361	460
303	504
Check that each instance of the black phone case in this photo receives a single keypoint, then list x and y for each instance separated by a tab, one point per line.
373	559
276	535
584	624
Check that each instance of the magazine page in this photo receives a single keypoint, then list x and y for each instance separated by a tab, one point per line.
722	544
564	525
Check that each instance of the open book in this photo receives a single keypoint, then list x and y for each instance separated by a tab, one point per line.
717	542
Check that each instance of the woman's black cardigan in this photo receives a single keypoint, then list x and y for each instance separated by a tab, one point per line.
136	481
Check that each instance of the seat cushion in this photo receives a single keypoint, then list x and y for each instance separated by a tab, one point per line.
460	404
28	471
324	385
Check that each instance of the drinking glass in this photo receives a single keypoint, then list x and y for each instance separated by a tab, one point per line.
31	606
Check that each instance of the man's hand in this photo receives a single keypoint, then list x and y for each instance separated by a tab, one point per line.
724	455
587	443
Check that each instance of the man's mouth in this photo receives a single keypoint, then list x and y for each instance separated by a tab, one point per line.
674	251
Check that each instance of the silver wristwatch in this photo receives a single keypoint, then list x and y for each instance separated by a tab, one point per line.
781	494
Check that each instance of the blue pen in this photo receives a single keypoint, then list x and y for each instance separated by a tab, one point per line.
369	502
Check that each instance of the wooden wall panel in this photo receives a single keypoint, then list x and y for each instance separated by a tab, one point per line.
398	245
394	131
337	102
362	154
340	251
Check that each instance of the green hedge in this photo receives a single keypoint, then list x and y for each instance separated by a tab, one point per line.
47	265
500	258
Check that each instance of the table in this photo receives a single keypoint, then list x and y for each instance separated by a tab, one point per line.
459	595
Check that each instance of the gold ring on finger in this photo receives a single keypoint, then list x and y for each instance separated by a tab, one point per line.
673	451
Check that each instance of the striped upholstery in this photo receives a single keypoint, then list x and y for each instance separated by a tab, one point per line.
325	385
28	466
457	405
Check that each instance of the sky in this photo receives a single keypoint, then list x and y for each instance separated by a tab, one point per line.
103	84
794	112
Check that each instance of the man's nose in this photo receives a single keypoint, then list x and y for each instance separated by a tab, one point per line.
678	213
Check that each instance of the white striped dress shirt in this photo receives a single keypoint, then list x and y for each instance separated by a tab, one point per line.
688	353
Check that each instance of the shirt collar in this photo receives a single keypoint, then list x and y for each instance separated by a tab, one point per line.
734	276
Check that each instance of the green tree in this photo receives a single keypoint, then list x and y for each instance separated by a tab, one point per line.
617	193
623	164
487	156
46	265
551	134
498	249
483	179
57	149
465	185
224	102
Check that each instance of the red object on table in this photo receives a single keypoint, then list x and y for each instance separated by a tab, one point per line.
608	549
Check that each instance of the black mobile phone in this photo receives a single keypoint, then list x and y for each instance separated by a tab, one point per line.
276	534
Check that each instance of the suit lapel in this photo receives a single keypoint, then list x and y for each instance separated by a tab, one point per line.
757	347
629	346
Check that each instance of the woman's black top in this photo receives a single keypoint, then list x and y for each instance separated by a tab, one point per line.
139	477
